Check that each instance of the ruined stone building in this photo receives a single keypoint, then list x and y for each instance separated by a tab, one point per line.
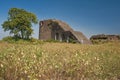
57	30
105	37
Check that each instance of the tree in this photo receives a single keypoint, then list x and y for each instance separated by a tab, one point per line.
19	23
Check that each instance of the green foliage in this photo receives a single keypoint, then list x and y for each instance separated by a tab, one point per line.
99	41
19	23
9	39
36	41
18	40
72	40
52	41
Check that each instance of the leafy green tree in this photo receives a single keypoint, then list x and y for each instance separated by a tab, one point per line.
19	23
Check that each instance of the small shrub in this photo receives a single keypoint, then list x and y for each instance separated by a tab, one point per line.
36	41
51	40
9	39
18	40
72	41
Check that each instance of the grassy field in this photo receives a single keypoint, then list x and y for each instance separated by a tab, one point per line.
59	61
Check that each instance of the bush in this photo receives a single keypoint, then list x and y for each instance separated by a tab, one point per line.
72	41
36	41
51	40
99	41
8	39
18	40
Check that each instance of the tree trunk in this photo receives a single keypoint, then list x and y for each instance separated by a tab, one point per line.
22	34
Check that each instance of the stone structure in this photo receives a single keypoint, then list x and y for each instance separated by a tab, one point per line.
105	37
57	30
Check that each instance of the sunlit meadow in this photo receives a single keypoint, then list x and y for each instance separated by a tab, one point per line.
59	61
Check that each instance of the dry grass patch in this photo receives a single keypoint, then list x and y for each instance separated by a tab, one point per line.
59	61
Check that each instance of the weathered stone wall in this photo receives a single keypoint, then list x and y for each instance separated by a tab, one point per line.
51	30
58	30
45	31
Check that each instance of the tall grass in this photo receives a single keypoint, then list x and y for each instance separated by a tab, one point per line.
59	61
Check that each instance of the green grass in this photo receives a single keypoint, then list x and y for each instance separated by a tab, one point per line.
59	61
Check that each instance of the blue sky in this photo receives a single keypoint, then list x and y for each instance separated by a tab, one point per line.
88	16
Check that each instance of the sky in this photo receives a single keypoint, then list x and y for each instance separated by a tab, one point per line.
90	17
